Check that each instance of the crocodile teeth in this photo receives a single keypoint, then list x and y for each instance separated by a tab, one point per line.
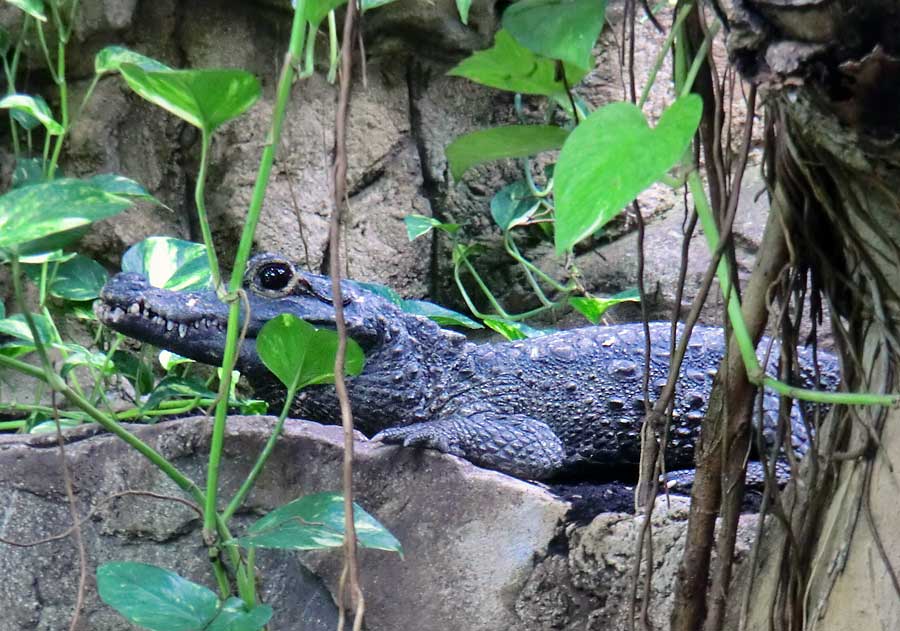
134	308
196	324
182	330
170	325
116	314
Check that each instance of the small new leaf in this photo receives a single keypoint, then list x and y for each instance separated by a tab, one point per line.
513	205
512	330
418	225
593	308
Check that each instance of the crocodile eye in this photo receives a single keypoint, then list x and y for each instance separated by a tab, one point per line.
274	276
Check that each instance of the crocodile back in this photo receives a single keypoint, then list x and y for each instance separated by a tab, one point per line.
587	385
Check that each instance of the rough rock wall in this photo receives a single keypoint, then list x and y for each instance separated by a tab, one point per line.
482	551
402	118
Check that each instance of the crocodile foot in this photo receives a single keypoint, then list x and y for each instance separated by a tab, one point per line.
428	435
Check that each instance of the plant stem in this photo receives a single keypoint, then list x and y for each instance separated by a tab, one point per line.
200	201
239	497
98	385
333	47
699	58
221	578
60	80
166	408
87	95
10	69
309	63
663	51
282	97
513	250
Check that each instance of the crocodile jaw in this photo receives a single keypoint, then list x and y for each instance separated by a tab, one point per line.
191	324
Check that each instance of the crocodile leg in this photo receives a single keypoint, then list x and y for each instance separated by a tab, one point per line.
515	444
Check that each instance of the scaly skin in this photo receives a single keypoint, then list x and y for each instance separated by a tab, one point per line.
534	408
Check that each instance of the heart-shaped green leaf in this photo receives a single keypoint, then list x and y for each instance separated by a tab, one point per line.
203	98
154	598
316	521
111	58
610	158
318	364
15	326
79	278
34	106
169	263
510	66
558	29
34	212
301	355
511	141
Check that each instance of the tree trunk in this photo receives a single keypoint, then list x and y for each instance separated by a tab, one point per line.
830	76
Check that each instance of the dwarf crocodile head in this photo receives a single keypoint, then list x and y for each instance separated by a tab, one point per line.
193	323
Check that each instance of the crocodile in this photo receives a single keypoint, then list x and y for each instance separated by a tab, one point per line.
537	408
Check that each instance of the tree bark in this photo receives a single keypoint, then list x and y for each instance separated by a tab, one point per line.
831	73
